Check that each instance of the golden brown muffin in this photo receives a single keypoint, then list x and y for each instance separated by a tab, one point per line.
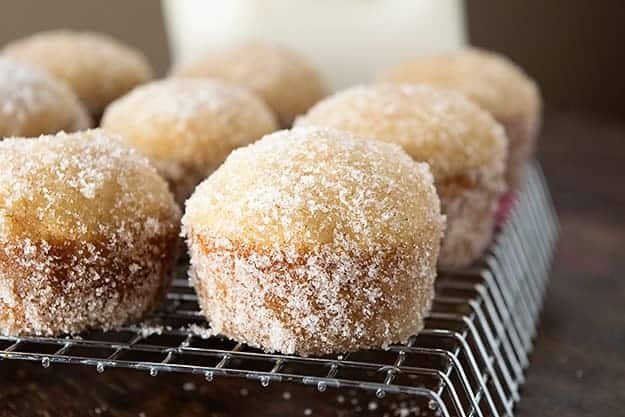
88	234
463	144
313	241
32	103
187	127
97	67
493	82
284	80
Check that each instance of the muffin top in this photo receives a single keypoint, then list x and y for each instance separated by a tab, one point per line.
80	186
283	79
489	79
436	126
196	122
302	189
97	67
33	103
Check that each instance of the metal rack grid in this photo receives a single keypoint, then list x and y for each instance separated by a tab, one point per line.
468	361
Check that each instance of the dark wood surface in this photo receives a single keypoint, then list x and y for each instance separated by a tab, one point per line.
577	368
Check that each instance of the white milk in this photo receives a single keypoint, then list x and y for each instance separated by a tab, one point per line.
349	41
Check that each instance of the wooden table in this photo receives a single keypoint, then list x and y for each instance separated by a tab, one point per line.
577	368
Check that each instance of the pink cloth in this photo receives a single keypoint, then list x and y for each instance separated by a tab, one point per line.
505	206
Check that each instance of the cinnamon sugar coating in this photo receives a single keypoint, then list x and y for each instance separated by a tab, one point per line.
187	127
464	146
283	79
493	82
88	234
32	103
97	67
313	241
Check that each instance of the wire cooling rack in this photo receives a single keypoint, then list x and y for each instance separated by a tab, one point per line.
468	361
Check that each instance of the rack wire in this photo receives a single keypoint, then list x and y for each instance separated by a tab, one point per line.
468	361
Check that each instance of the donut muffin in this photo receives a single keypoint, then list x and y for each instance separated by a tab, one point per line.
312	241
97	67
284	80
493	82
88	234
32	103
188	127
465	147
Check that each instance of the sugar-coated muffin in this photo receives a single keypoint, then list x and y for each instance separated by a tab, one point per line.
88	234
313	241
32	103
493	82
283	79
97	67
464	145
187	127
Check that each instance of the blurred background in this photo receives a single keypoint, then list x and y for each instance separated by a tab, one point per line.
574	49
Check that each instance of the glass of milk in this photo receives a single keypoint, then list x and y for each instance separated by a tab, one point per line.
348	41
